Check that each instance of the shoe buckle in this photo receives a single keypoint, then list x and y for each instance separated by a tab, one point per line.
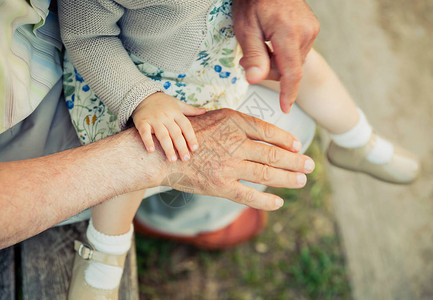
85	251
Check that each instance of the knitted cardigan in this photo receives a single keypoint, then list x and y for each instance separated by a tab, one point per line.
99	33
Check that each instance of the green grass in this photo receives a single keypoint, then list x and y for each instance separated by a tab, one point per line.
298	256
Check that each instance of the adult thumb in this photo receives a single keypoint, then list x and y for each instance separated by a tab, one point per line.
255	60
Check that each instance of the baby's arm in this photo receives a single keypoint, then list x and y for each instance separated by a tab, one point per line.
165	116
90	33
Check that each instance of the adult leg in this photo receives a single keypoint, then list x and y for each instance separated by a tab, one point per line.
47	130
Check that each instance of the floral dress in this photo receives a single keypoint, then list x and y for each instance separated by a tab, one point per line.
214	80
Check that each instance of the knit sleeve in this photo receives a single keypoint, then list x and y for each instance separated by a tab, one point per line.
91	36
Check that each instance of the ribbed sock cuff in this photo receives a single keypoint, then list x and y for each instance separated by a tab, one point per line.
356	137
110	244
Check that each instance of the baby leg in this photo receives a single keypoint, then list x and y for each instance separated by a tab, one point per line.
114	216
109	232
323	97
354	145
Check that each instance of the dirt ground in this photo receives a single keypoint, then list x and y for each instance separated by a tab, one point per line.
382	50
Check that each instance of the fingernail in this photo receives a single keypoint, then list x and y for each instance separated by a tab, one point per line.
279	202
290	107
302	179
297	146
309	165
194	147
186	157
173	158
253	73
151	149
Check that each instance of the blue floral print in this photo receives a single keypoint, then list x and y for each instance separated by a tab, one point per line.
214	80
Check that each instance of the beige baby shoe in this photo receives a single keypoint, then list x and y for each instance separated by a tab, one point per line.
403	168
79	289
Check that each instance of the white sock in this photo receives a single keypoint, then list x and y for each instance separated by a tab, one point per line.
359	136
103	276
382	152
356	137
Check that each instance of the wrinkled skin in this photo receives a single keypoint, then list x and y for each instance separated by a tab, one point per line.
290	26
229	152
88	175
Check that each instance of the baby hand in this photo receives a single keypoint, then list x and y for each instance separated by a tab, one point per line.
165	116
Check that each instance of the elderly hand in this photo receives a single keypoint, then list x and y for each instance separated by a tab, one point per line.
230	150
290	26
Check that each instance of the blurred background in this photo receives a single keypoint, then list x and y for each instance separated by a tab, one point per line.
345	235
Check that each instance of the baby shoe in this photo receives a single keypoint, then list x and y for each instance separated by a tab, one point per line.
403	167
79	289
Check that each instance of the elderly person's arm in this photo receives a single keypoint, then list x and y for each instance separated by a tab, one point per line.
38	193
290	26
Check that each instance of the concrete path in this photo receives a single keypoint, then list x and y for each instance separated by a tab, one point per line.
383	52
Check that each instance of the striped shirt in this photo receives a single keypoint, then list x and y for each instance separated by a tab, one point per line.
30	61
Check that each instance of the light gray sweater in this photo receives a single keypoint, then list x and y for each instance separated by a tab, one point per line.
97	34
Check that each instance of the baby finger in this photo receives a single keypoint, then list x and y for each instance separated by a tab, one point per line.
178	140
164	139
188	132
146	136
